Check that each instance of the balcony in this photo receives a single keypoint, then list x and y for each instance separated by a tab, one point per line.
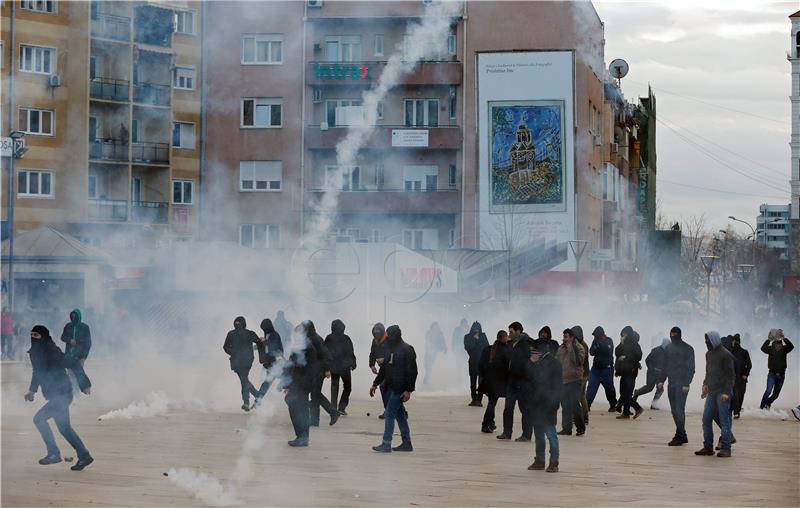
108	209
149	212
157	153
366	73
443	138
611	212
394	201
108	149
109	89
150	93
153	25
108	26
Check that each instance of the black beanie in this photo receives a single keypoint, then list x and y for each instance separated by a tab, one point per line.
676	331
41	330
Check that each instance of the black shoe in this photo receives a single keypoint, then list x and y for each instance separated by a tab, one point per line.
580	432
736	416
704	452
342	412
405	447
82	463
486	430
382	416
523	439
334	416
383	448
564	433
298	442
475	403
245	407
678	441
494	427
612	409
618	407
50	459
503	437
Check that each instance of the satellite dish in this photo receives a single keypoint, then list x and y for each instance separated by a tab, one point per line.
618	68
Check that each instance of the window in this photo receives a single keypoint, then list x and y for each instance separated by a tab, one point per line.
183	135
92	187
48	6
348	180
379	112
451	238
184	22
421	112
343	112
259	236
376	236
379	176
262	49
420	178
420	239
451	44
183	78
453	102
343	48
262	112
37	59
182	192
136	130
35	183
451	176
37	121
260	176
378	45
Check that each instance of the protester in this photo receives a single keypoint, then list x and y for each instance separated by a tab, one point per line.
777	347
239	346
519	388
629	356
49	364
324	361
434	344
602	372
577	331
544	374
77	336
679	368
655	373
343	362
718	392
282	326
399	372
743	367
493	371
376	354
571	356
6	335
301	371
270	349
474	343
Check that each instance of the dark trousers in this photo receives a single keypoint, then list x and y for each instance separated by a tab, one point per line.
517	394
603	377
473	383
384	394
348	386
774	385
652	381
318	400
627	384
571	410
677	404
7	346
58	410
488	415
297	400
739	389
247	386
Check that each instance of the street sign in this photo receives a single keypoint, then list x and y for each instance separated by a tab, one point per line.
11	146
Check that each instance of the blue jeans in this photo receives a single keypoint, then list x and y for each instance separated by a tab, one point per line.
721	409
395	411
603	377
774	385
297	400
677	403
58	410
540	430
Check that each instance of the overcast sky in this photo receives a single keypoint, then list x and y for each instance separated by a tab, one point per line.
703	63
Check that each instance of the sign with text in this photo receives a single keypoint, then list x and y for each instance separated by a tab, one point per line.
410	138
11	146
342	71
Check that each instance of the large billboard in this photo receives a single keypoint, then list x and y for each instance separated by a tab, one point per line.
526	148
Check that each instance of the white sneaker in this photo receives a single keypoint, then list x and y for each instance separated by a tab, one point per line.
796	412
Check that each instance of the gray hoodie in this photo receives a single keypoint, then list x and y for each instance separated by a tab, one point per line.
720	366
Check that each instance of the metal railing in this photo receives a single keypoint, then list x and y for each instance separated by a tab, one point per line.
151	212
108	149
151	93
150	152
108	209
109	26
109	88
373	188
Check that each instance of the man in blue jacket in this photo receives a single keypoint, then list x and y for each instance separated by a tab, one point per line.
602	372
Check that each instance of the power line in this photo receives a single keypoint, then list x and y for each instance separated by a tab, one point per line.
661	180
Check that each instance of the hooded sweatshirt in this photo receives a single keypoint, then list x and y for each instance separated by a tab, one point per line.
720	365
578	332
399	369
679	361
239	345
545	344
343	359
79	331
272	349
377	350
629	354
743	363
571	356
656	359
434	340
777	349
49	364
474	347
303	365
602	349
324	359
546	378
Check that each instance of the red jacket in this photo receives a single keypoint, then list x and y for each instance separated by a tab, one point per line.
7	325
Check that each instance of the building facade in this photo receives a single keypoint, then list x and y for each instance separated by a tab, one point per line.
794	60
774	229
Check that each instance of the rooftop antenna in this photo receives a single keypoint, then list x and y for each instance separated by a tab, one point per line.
618	69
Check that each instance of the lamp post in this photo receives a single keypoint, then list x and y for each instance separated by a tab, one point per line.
744	272
577	247
708	264
753	249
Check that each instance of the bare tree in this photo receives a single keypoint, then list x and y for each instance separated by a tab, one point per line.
507	235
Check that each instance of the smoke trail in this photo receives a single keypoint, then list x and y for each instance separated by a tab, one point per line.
154	404
205	488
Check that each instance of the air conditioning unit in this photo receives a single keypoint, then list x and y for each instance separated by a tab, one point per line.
614	147
55	80
323	126
315	3
317	47
598	140
316	95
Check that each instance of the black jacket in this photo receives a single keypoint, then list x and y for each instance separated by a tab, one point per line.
82	335
272	349
493	369
743	363
777	352
377	350
434	341
303	368
399	368
520	358
602	349
545	377
49	364
343	358
655	363
239	346
630	349
324	359
679	363
720	370
474	347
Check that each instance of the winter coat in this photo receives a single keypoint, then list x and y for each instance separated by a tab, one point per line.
399	368
343	358
720	367
474	347
377	350
632	353
272	348
655	363
602	349
493	369
82	335
777	351
578	332
571	356
49	364
546	379
303	367
239	346
679	363
324	358
434	341
520	357
743	363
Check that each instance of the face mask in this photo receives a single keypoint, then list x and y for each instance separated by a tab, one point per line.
74	318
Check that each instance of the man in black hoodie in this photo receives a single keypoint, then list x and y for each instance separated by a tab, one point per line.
301	374
544	374
377	352
239	346
679	367
399	372
49	362
718	392
743	366
602	372
270	349
324	362
629	357
434	344
77	336
343	361
519	388
493	370
655	373
474	343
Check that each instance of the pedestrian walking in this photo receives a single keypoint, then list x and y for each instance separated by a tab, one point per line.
602	371
239	346
571	356
301	374
544	374
270	350
627	365
519	387
679	367
343	362
474	343
493	373
717	392
743	367
655	373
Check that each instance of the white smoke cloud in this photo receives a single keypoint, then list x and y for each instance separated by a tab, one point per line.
205	488
155	404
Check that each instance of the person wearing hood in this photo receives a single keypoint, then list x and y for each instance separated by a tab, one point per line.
493	373
343	362
270	349
399	373
679	368
571	356
77	336
777	347
743	367
49	374
577	332
718	392
283	326
324	363
377	353
656	375
301	370
602	371
239	346
629	357
519	387
474	343
457	348
545	376
434	344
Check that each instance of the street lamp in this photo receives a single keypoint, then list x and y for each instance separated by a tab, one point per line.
753	249
708	264
577	247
